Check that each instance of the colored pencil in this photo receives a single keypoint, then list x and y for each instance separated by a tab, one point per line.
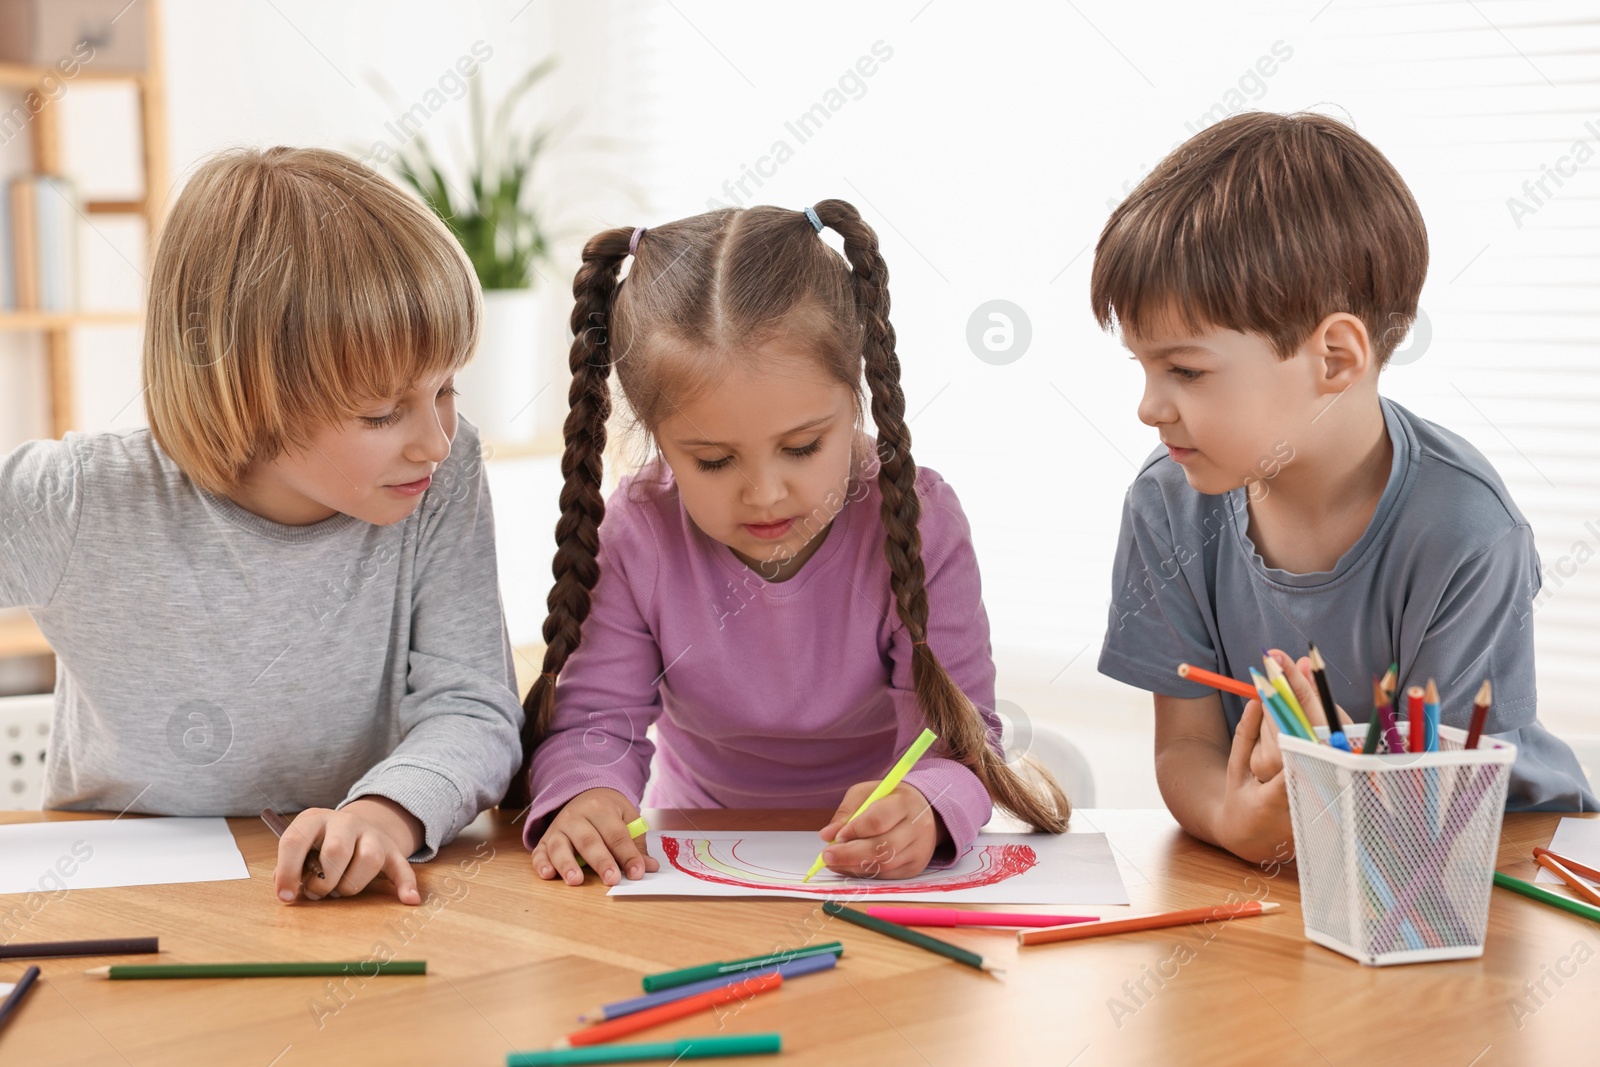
8	1007
923	742
670	979
1280	683
279	826
1480	714
1391	678
1392	740
685	1048
1571	864
1134	923
1374	724
1430	718
1544	896
911	937
617	1009
1216	681
1414	716
1319	675
952	917
1576	884
636	828
677	1009
114	946
353	968
1280	709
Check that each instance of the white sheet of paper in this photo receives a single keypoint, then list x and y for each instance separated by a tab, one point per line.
1577	839
6	988
1044	869
43	857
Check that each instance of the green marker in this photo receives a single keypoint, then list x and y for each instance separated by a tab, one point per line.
1544	896
654	983
688	1048
636	828
885	787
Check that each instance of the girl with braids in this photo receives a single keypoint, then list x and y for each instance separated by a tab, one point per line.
788	601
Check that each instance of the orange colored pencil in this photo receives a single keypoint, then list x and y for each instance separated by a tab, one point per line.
1047	934
677	1009
1576	884
1569	864
1217	681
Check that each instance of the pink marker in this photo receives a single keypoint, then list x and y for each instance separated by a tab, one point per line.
952	917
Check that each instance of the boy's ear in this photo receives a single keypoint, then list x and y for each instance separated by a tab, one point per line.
1340	347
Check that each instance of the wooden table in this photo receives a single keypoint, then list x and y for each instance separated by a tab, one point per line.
513	960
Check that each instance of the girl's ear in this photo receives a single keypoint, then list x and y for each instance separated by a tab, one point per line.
1341	350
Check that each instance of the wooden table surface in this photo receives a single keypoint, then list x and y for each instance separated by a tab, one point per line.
513	960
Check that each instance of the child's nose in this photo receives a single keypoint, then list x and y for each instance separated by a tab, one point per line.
1155	409
763	488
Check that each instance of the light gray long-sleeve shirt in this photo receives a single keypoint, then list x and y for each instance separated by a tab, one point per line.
212	662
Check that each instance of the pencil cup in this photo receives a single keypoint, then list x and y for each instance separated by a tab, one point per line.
1396	853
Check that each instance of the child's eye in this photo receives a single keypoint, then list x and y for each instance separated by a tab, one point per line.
709	465
806	450
381	421
448	390
1185	374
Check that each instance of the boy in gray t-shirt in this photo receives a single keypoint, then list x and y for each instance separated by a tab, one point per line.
1262	275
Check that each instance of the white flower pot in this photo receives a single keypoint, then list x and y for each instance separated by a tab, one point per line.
499	386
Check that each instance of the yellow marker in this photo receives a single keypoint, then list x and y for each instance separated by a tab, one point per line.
1280	682
885	787
636	828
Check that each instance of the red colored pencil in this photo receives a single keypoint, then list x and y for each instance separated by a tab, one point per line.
1480	713
1571	864
1415	717
1576	884
643	1020
1217	681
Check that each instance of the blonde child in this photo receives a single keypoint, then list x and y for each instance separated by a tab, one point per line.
789	602
283	593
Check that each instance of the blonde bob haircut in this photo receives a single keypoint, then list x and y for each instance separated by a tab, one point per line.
294	287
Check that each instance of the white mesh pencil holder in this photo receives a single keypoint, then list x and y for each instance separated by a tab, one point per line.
1396	853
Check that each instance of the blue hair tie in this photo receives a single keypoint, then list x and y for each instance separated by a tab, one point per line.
811	213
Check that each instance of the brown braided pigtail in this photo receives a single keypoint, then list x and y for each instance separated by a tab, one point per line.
582	507
961	729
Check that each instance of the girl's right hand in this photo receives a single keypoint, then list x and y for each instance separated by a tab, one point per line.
593	825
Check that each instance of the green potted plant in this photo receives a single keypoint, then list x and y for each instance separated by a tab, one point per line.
492	213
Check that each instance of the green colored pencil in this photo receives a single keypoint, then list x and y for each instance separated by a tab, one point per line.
912	937
670	979
357	968
687	1048
1544	896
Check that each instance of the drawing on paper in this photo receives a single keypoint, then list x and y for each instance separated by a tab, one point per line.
735	862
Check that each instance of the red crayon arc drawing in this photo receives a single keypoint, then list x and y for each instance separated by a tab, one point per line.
1044	869
720	862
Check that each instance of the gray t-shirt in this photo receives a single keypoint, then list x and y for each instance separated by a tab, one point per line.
1442	582
212	662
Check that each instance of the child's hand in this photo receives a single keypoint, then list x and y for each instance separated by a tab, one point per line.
1266	758
895	838
1298	672
365	838
1254	823
594	824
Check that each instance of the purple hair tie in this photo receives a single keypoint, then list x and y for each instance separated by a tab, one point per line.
633	242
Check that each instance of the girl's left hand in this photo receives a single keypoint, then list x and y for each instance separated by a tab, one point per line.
895	838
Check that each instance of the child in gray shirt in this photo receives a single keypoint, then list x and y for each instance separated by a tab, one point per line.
1261	276
284	593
